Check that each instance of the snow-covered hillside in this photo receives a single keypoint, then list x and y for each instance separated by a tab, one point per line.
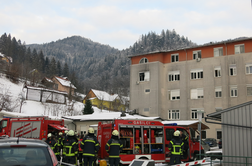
15	91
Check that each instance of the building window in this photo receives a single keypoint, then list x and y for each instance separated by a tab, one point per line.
196	74
174	57
232	70
175	94
218	51
217	72
218	92
197	93
196	54
174	76
239	49
194	114
203	134
144	60
144	76
146	109
248	68
233	91
219	134
147	90
249	90
173	114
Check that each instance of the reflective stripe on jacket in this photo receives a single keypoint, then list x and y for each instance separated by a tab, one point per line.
90	145
113	147
176	146
70	146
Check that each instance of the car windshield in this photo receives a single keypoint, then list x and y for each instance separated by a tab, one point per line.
24	156
208	139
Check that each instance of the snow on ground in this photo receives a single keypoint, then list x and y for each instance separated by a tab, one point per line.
36	108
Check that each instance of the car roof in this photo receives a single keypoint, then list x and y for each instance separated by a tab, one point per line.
22	141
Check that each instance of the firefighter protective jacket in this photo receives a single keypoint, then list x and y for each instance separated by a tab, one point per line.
113	147
70	146
53	144
176	146
90	145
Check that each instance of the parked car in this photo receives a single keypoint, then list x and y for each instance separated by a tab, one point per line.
26	152
205	146
212	142
214	157
220	144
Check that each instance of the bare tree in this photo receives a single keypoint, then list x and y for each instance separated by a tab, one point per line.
5	101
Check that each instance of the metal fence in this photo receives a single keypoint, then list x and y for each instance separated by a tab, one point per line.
222	160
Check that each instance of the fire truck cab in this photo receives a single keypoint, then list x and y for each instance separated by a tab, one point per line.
143	139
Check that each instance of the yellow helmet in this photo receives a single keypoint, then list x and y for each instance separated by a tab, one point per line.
91	130
70	133
176	133
66	131
115	133
49	135
60	133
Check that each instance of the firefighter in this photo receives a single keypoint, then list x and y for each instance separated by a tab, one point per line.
60	145
80	155
70	148
176	148
113	147
90	147
185	141
52	143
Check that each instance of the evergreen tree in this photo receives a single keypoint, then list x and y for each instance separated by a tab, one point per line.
47	69
88	108
53	67
41	62
58	68
66	70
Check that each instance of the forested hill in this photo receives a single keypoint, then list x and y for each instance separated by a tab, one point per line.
90	64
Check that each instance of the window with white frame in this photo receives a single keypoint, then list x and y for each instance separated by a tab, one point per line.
175	94
174	57
249	90
239	49
217	71
196	74
144	60
248	68
174	76
232	70
173	114
233	91
196	54
197	93
144	76
218	92
194	113
218	51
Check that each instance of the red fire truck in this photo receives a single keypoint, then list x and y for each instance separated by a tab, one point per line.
144	139
30	127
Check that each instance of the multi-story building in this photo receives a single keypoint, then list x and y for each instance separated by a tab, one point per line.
176	84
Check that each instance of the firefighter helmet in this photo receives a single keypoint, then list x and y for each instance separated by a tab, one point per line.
115	133
70	133
176	133
66	131
91	130
60	133
49	135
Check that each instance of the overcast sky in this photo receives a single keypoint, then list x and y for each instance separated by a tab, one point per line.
120	23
